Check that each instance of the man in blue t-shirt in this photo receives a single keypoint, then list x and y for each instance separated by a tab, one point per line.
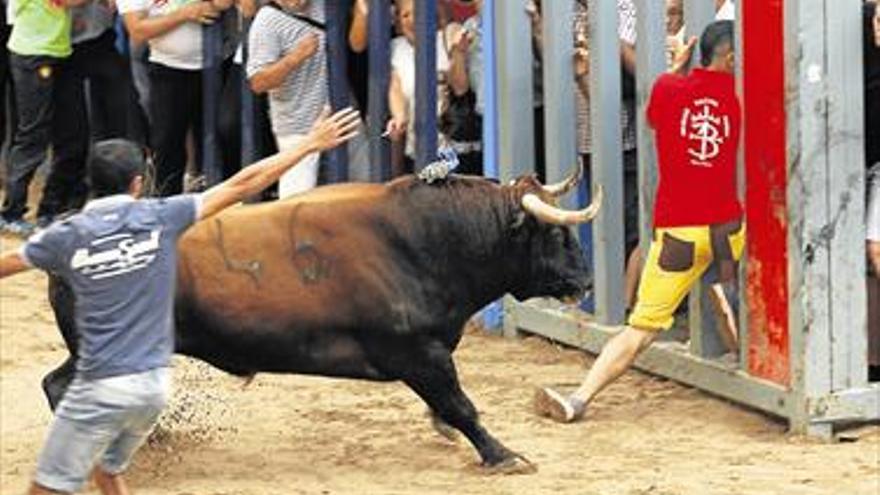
119	255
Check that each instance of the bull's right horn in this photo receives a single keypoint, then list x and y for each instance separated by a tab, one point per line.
558	189
551	214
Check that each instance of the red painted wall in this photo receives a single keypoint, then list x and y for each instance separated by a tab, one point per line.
765	158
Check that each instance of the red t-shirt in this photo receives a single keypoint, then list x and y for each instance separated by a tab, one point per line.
696	121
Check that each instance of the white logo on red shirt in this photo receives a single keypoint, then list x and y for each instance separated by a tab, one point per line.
705	131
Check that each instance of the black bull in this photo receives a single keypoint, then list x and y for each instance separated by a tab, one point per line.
360	281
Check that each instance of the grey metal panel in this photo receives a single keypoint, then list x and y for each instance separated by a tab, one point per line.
809	298
426	82
669	359
380	70
742	316
854	404
514	91
650	63
607	159
846	183
559	109
697	15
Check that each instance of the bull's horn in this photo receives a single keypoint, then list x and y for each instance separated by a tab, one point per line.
558	189
551	214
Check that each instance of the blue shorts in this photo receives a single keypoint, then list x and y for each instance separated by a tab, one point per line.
100	422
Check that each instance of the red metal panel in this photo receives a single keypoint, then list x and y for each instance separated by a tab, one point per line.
765	157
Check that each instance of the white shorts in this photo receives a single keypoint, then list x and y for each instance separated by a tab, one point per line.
304	175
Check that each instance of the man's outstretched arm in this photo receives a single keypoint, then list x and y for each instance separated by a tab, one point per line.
11	262
327	133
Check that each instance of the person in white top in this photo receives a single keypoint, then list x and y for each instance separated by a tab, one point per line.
173	29
402	90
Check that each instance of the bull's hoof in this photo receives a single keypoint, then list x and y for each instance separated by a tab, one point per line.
516	464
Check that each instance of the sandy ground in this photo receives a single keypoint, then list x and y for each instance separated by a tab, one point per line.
301	435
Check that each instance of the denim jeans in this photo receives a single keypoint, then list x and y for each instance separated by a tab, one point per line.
101	422
41	85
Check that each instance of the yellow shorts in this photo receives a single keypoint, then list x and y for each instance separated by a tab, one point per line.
677	258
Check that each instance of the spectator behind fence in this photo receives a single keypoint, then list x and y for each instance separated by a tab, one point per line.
174	32
288	60
462	120
8	116
693	227
96	60
40	50
402	89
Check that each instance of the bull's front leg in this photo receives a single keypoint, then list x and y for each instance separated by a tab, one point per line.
432	375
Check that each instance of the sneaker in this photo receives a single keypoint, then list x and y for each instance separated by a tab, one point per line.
20	228
550	403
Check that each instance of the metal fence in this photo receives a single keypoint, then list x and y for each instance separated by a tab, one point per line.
803	346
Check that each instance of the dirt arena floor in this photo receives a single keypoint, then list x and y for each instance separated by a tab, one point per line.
301	435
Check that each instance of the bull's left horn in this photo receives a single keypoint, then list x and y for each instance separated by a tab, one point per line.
551	214
558	189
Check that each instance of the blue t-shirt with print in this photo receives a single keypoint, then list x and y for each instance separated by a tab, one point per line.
120	257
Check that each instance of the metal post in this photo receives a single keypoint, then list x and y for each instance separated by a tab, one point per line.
426	83
248	105
380	70
514	87
607	159
559	111
809	298
650	63
337	68
212	53
846	193
490	100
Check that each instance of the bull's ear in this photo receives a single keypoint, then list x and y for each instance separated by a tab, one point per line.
519	218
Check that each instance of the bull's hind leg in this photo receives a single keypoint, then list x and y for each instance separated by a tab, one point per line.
431	374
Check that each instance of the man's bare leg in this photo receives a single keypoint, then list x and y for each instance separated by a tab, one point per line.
110	484
616	357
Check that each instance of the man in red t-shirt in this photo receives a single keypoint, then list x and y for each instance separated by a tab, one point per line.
697	215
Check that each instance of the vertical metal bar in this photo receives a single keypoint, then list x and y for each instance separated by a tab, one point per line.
380	71
650	63
742	313
846	184
212	48
514	90
426	82
704	339
248	138
559	110
607	159
809	258
490	100
337	66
